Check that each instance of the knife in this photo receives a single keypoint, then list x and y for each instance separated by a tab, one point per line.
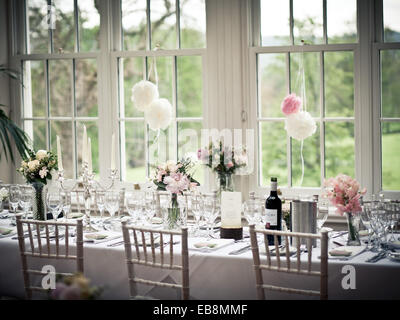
241	250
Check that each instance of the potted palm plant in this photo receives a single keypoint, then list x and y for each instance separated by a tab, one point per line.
9	131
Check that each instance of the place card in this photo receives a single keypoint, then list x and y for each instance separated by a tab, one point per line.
231	215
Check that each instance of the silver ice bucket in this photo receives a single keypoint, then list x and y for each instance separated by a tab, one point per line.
304	218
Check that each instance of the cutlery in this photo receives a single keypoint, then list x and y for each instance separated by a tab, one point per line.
377	257
241	250
102	240
339	234
351	257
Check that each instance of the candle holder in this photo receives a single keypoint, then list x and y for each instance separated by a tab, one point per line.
89	187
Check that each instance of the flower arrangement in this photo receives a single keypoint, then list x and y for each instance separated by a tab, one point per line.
222	159
344	193
75	287
3	194
38	166
175	177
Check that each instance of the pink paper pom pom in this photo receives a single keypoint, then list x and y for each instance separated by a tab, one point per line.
291	104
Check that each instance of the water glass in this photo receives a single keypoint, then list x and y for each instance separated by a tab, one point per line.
66	203
26	200
14	197
132	204
251	211
211	211
100	199
197	211
54	203
112	202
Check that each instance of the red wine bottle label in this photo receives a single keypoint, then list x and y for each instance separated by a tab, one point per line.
271	217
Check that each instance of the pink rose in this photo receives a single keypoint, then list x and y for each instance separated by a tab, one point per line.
291	104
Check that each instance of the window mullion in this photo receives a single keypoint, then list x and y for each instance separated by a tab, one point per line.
288	139
324	24
178	24
76	14
148	44
291	22
322	116
51	5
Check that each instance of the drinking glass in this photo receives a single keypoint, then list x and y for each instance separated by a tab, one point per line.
149	206
197	211
132	204
112	202
366	220
26	200
251	211
14	197
100	202
66	203
322	215
183	209
211	211
54	203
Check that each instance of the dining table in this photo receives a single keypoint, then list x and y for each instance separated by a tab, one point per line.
215	273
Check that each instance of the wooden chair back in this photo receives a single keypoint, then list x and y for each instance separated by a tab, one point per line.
295	266
144	242
39	246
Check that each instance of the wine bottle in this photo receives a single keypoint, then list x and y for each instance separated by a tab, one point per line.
273	211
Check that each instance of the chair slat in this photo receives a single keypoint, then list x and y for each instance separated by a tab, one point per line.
277	253
31	238
47	239
266	244
39	239
309	250
298	253
287	252
66	241
57	240
161	248
153	249
136	244
144	245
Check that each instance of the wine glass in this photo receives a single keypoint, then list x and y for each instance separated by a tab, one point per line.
322	216
112	202
14	197
133	206
26	200
149	206
251	211
211	210
66	203
183	208
100	202
197	211
54	203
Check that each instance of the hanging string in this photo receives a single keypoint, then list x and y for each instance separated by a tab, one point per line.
154	65
303	96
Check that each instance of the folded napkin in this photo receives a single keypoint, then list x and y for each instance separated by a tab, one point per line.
346	251
201	244
340	252
5	231
75	215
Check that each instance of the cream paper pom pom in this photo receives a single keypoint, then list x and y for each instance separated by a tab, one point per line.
300	125
158	115
143	94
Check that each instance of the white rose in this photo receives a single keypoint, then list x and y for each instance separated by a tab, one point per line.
41	154
32	165
24	164
3	193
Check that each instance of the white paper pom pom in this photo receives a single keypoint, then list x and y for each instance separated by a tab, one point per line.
300	125
158	114
143	94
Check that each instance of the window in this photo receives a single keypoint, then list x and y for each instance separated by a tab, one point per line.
388	50
60	77
167	36
328	61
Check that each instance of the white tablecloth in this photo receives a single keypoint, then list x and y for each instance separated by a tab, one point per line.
215	275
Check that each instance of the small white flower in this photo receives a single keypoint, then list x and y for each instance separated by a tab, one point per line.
43	172
158	115
143	94
3	193
41	154
300	125
24	164
32	165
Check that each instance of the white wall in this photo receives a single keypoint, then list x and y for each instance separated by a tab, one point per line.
5	168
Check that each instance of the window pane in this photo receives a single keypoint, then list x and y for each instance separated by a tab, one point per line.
339	84
63	129
272	83
190	86
308	21
86	87
133	73
311	63
37	132
390	83
60	78
89	25
189	141
312	161
193	23
64	32
37	27
93	134
135	156
165	76
339	148
36	97
391	21
390	155
273	152
163	23
134	24
275	22
341	21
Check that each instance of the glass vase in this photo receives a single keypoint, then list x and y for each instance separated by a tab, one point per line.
224	182
171	220
353	223
39	201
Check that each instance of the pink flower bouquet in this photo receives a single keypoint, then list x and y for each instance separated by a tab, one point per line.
344	193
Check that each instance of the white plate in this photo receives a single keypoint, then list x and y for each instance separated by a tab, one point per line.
12	232
345	251
395	256
201	244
